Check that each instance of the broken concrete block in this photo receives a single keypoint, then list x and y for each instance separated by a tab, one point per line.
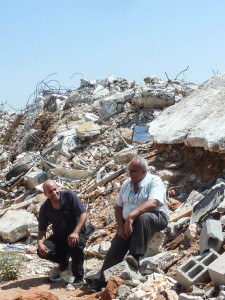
162	261
29	141
208	203
123	270
209	291
170	175
195	270
35	178
211	236
173	227
191	232
88	129
184	296
156	243
217	270
108	110
124	156
104	247
16	224
70	173
17	170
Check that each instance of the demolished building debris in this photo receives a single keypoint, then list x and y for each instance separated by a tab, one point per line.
85	138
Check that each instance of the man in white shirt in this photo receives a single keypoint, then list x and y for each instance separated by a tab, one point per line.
141	210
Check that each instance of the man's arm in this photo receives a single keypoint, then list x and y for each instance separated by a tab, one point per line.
120	222
73	238
147	206
43	250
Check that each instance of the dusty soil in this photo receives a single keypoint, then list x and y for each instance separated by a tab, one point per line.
9	290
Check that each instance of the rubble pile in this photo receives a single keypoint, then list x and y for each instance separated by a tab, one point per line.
84	139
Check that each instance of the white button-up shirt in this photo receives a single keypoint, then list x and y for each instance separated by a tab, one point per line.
150	187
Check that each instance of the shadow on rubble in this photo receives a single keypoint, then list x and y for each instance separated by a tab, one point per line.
28	283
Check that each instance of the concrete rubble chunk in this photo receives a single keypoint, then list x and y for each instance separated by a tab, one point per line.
160	261
196	269
35	178
156	243
211	236
108	109
70	173
88	129
195	119
17	224
184	296
124	156
208	203
123	270
217	270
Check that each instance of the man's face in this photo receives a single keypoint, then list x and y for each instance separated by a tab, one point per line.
136	173
52	192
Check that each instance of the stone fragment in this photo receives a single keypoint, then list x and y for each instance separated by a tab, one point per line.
211	236
156	243
104	247
17	224
70	173
209	291
124	156
191	232
88	129
161	261
123	270
171	295
123	291
112	288
184	296
195	119
173	227
108	109
217	270
208	203
35	178
17	170
170	175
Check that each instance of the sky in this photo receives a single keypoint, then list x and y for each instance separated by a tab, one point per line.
94	39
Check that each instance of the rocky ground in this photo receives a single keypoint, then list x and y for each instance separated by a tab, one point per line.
84	139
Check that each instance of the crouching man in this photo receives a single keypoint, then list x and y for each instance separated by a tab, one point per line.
141	210
66	213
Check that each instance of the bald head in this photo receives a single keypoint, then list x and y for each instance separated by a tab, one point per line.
51	190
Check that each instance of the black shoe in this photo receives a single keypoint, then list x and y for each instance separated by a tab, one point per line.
97	286
77	282
132	261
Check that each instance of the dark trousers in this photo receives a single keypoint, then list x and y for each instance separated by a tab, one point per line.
143	229
60	253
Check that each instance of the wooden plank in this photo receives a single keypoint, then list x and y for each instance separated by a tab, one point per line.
184	213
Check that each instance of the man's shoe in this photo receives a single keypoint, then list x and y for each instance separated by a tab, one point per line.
77	282
97	286
132	261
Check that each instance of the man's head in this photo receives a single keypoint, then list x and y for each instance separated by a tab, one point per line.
51	190
137	169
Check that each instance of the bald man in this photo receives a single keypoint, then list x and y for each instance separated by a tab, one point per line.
66	213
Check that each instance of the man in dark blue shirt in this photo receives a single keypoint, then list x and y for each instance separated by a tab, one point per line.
67	215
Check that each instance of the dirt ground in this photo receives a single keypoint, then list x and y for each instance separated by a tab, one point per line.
9	290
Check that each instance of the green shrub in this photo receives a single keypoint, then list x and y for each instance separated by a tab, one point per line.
10	263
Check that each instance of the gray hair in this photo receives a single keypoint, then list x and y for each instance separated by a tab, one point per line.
142	162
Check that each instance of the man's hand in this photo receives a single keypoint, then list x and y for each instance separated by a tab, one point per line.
121	234
73	239
128	226
43	250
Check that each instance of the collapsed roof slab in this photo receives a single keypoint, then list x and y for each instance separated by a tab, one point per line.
198	120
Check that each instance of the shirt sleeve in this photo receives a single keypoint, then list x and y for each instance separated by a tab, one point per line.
157	190
78	206
42	219
119	200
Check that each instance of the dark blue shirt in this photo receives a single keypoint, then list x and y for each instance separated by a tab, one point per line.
63	220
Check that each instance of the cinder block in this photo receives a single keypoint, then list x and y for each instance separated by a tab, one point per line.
211	236
217	270
195	269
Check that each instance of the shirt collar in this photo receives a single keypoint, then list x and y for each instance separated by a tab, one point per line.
144	180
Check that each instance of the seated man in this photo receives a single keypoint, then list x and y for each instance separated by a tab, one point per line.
141	210
67	215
